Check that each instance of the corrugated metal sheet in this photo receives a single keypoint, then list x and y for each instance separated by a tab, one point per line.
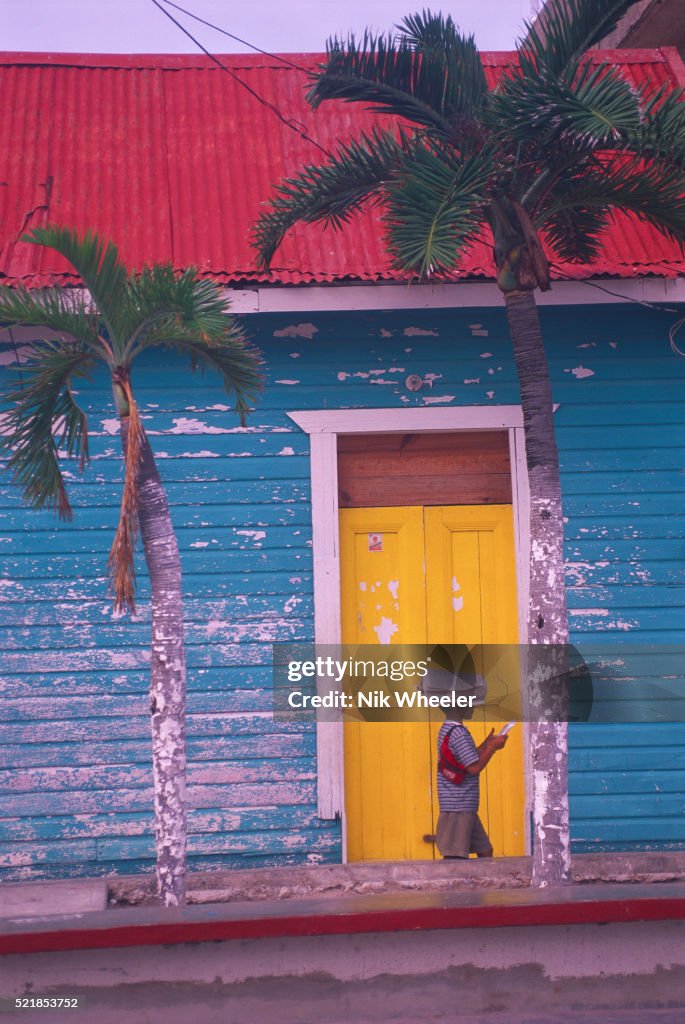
172	158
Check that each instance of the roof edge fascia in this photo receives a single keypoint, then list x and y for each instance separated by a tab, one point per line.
468	295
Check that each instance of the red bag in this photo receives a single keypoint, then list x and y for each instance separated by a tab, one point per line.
448	766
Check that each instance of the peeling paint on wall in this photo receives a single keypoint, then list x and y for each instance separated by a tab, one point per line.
297	331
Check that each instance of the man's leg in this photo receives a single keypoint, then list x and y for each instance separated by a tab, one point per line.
480	841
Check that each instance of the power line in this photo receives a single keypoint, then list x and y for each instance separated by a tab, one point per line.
225	32
288	122
673	330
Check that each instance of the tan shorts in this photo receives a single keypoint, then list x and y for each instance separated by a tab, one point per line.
461	833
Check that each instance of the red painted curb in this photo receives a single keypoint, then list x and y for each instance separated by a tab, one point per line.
393	920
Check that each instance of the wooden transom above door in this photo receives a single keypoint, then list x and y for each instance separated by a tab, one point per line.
460	468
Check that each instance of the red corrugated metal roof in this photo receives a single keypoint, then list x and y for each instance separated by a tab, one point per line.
172	158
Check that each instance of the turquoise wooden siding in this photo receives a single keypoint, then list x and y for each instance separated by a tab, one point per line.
75	786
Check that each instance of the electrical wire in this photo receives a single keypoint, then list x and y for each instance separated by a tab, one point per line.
225	32
288	122
673	330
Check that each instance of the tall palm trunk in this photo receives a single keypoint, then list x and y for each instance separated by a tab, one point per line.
547	614
167	676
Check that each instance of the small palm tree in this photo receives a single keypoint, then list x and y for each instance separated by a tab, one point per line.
537	165
113	319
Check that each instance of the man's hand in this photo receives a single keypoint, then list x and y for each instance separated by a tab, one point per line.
495	742
490	744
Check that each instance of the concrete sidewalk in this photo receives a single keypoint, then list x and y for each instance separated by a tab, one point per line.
462	957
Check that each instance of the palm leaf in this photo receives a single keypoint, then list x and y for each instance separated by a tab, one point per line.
574	232
565	31
235	361
331	192
64	311
98	265
661	132
654	193
596	109
436	207
159	296
436	38
44	416
392	78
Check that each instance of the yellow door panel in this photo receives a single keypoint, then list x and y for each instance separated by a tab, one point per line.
470	552
382	576
387	786
414	575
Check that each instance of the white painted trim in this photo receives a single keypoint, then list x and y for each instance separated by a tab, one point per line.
397	421
323	426
311	298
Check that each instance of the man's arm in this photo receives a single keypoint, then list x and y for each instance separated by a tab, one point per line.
487	748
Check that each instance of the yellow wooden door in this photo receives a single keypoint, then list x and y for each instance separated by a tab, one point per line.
387	788
413	575
471	599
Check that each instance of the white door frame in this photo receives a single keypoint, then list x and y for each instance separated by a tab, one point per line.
323	427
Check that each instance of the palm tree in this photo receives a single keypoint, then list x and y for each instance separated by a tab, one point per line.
113	319
537	164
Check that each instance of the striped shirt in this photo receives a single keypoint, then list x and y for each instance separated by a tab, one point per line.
466	795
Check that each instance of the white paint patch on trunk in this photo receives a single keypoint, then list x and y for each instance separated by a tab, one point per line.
297	331
385	631
393	586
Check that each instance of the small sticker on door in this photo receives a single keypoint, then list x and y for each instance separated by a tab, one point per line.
375	542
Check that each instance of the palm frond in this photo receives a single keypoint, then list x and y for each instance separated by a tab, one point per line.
437	38
352	179
394	77
661	132
574	232
435	208
98	265
237	363
158	295
43	416
653	192
597	108
62	310
565	31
